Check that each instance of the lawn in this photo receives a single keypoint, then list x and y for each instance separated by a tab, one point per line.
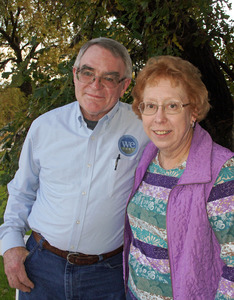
6	293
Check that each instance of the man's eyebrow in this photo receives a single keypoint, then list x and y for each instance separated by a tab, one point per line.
85	67
114	73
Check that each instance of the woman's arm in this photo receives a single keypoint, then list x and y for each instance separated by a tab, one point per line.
220	208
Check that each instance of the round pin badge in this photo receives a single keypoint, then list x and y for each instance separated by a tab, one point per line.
128	145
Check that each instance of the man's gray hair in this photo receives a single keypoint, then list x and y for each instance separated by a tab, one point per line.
117	49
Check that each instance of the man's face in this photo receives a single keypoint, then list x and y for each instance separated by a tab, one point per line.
94	98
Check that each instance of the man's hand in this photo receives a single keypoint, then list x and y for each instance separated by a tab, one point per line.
15	271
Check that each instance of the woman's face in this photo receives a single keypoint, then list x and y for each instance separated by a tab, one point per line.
170	133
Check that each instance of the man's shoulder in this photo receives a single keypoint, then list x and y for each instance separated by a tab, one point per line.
56	113
126	110
130	125
125	106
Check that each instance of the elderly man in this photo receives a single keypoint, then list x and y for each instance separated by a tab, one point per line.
75	173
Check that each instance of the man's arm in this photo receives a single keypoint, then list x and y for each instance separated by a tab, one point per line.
22	195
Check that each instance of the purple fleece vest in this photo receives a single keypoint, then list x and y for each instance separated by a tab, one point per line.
194	252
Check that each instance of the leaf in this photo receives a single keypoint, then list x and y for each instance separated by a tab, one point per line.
6	75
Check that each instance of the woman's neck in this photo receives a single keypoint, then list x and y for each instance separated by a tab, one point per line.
169	163
173	159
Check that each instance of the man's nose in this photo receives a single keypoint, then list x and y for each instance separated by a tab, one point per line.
96	82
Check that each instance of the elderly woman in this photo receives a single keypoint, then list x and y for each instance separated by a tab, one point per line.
179	218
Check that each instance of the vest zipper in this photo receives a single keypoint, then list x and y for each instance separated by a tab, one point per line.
168	247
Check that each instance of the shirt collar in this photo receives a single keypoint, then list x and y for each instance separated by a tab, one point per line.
107	118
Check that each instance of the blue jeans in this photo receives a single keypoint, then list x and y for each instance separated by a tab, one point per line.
56	279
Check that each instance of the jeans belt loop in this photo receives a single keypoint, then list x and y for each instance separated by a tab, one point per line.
100	257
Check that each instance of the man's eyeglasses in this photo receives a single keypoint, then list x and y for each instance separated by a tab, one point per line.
170	107
109	81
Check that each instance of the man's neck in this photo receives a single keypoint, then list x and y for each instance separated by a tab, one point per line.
90	124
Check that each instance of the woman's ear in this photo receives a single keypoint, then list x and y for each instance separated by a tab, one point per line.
193	118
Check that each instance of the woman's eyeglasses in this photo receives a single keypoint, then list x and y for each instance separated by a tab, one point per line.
170	107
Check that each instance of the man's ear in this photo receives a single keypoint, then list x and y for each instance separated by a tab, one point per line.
126	84
74	73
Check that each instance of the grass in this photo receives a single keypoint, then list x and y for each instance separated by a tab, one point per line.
6	293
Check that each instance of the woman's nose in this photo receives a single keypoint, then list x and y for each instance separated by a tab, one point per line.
160	115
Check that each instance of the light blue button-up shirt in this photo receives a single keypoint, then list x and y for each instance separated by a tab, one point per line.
73	183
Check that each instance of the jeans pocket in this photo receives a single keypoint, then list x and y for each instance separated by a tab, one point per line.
31	246
114	262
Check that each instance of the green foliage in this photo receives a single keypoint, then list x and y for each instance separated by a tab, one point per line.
3	199
12	101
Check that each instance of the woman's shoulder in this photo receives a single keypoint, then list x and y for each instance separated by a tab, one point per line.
222	154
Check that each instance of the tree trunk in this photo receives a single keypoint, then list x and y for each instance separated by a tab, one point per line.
220	118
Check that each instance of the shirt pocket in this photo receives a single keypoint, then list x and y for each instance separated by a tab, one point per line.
121	176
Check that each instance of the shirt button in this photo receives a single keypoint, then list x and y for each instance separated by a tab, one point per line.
88	165
77	222
83	193
92	138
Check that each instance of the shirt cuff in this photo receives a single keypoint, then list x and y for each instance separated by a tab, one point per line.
12	240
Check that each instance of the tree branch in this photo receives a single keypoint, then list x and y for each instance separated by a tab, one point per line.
229	72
